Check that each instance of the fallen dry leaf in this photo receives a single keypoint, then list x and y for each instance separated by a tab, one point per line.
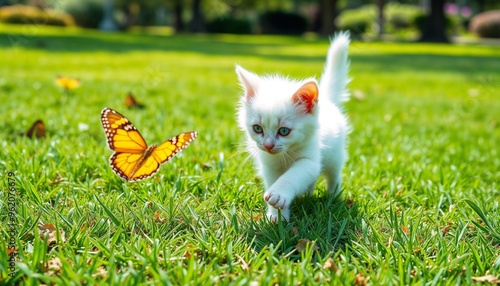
405	229
50	230
57	179
361	280
330	265
257	217
487	278
101	272
53	266
11	250
157	217
349	203
244	265
303	243
295	230
391	239
446	229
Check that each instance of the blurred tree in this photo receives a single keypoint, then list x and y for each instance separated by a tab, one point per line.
380	16
197	24
435	24
328	12
178	12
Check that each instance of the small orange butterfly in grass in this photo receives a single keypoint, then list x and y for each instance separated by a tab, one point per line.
67	83
37	130
131	102
133	159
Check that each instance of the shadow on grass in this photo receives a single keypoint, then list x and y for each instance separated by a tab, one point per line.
224	45
327	220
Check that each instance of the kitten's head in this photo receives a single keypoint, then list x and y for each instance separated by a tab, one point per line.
278	114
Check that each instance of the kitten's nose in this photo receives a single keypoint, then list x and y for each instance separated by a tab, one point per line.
268	145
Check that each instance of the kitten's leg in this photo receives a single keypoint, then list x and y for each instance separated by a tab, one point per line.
295	181
310	190
270	175
333	174
272	213
334	184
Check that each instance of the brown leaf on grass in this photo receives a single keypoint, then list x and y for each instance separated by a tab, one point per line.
446	229
244	265
303	243
53	266
349	203
191	249
399	192
50	230
206	166
257	217
330	265
361	280
101	272
405	229
391	239
57	179
492	279
11	250
158	218
295	230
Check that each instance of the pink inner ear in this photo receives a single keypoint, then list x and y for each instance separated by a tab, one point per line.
248	80
307	96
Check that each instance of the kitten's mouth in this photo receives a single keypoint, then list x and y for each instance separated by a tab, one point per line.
271	151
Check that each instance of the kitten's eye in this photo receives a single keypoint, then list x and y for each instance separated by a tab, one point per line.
257	128
284	131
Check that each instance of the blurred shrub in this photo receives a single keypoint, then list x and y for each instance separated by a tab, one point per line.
284	23
486	24
22	14
229	25
87	14
361	20
358	20
401	16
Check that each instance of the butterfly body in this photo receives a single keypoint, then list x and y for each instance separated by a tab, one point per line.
133	159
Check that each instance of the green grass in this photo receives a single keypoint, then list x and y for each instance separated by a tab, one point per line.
420	202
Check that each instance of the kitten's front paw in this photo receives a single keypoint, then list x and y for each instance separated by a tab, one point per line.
276	200
272	214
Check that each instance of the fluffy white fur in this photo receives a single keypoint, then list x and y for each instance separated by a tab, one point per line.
296	130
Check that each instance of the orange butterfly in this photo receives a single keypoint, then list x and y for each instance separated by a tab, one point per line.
37	130
133	160
131	102
67	83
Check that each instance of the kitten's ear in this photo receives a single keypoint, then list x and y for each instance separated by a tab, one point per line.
307	96
249	81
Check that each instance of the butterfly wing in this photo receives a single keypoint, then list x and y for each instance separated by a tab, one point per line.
125	166
36	130
173	146
121	134
131	102
67	82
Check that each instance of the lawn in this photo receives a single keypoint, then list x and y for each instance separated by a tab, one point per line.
420	202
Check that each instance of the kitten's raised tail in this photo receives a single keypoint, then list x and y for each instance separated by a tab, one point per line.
335	77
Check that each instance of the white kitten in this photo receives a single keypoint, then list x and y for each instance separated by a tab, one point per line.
295	130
